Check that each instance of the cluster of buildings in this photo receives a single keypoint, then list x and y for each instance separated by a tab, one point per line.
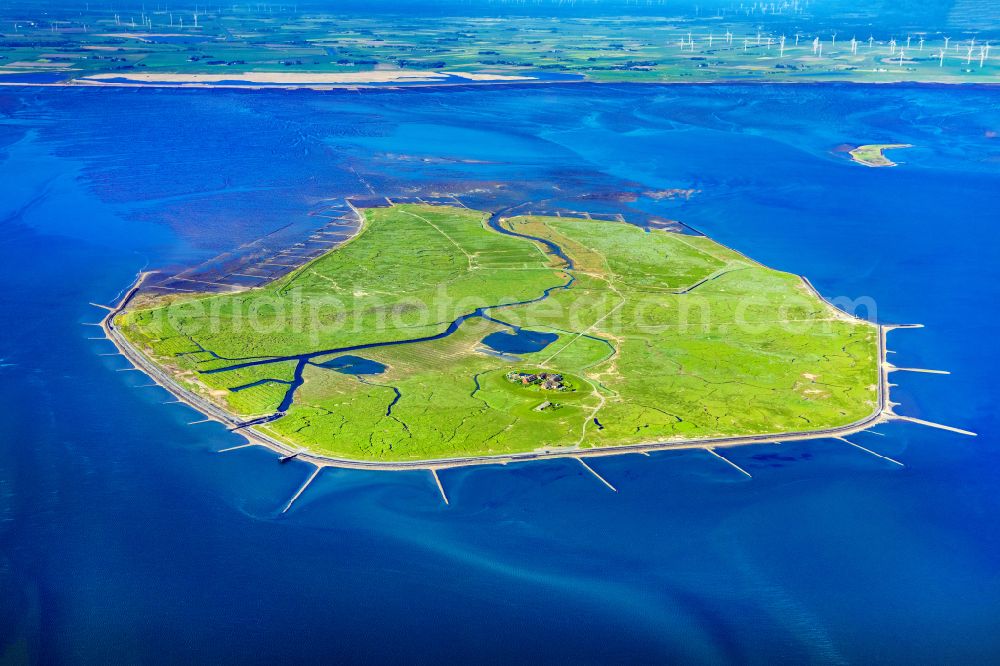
549	381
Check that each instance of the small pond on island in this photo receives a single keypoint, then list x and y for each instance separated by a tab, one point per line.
353	365
520	341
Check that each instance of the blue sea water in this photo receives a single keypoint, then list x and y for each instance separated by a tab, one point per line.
125	535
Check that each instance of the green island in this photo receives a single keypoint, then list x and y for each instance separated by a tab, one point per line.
441	332
873	154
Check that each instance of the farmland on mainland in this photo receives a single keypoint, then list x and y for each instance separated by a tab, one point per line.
266	46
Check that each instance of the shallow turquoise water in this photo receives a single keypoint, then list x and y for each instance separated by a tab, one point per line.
125	535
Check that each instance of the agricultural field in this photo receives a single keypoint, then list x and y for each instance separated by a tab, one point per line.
437	332
274	46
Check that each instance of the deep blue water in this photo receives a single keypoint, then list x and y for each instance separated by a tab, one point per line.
125	535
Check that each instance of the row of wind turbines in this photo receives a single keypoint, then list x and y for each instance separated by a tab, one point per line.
146	20
171	19
896	50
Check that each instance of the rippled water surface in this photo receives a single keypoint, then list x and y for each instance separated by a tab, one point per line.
124	535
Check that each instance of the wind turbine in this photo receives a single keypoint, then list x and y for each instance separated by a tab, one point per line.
854	45
816	45
781	47
870	41
901	52
921	44
946	40
892	46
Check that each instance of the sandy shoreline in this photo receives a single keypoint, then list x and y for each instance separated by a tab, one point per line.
448	82
304	79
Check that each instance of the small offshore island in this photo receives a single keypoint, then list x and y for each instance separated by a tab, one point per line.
873	155
441	333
